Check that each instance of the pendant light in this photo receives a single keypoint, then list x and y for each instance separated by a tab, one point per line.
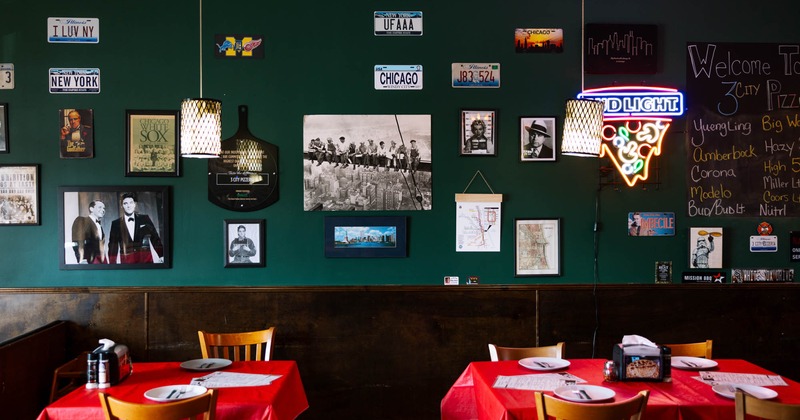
201	119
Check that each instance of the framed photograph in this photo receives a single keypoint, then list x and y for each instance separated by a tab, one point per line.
365	237
245	241
111	227
537	139
537	247
20	194
76	133
3	128
478	133
152	143
705	247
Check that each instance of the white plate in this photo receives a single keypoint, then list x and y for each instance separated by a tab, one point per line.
543	363
729	391
205	364
573	393
174	392
692	363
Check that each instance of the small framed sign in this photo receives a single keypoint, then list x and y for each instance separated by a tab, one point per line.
19	195
152	143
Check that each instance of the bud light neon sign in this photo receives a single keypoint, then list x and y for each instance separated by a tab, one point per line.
635	120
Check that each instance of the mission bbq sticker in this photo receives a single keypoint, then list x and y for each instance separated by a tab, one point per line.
398	77
74	80
398	23
476	75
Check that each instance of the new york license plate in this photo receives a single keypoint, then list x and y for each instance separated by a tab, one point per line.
398	23
74	80
476	75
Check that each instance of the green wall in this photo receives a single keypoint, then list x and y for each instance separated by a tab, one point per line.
319	60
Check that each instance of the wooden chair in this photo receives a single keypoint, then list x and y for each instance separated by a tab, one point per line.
253	345
205	404
769	410
700	349
68	377
547	406
516	353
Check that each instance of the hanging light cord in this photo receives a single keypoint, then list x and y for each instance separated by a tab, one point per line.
200	45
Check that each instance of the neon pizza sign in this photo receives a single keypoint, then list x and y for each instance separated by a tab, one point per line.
635	120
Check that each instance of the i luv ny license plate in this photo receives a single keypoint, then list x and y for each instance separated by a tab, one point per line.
476	75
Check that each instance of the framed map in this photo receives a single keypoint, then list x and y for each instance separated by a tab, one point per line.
538	247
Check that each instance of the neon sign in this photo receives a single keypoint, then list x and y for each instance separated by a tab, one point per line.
635	120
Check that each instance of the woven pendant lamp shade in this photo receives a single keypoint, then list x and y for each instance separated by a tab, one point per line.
201	128
583	126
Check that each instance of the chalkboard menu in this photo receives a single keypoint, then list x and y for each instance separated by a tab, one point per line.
743	129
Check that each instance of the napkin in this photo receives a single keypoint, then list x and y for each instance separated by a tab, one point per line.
636	340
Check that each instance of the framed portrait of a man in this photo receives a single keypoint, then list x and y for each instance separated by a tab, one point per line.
152	143
76	133
245	242
478	133
537	139
106	228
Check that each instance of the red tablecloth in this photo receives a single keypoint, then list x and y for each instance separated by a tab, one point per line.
283	399
685	398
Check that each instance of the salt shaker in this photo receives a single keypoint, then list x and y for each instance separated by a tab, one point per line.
91	370
610	371
103	371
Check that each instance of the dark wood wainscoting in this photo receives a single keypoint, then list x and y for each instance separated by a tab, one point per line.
392	352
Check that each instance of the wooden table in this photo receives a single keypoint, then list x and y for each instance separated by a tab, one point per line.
473	397
283	399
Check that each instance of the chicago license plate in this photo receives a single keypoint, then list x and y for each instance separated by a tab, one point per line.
398	23
73	30
476	75
398	77
74	80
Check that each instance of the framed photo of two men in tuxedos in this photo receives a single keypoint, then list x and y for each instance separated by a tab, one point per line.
106	228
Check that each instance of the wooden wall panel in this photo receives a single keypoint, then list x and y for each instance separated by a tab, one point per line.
393	352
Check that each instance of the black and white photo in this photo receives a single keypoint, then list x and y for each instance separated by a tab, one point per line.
366	162
19	195
3	128
537	139
244	243
114	227
478	133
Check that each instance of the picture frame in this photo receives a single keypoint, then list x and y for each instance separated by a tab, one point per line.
537	139
95	222
76	133
478	132
537	247
4	132
20	195
705	247
366	237
245	243
152	143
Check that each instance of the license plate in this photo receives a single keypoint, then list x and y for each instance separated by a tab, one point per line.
476	75
6	76
398	23
398	77
73	30
74	80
